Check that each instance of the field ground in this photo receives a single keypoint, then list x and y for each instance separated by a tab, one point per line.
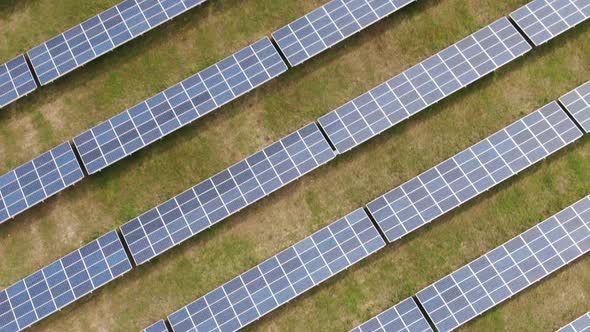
105	87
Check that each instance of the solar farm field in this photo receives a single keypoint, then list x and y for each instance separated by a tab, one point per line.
144	66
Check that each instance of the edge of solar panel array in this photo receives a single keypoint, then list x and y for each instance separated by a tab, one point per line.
360	210
329	47
585	110
54	194
408	328
580	324
159	326
500	20
33	75
586	198
118	239
69	71
579	135
529	37
284	69
125	240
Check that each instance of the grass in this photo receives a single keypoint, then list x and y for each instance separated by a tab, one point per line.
118	80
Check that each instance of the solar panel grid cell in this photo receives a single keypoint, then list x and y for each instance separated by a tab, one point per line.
158	326
281	278
402	317
473	171
423	85
62	282
581	324
16	80
330	24
577	103
508	269
38	179
102	33
542	20
226	193
179	105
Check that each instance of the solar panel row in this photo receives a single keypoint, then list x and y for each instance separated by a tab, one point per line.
582	324
16	80
37	180
158	326
330	24
402	317
102	33
542	20
281	278
508	269
62	282
473	171
224	194
577	103
424	84
179	105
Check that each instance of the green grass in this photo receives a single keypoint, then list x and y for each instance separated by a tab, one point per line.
147	65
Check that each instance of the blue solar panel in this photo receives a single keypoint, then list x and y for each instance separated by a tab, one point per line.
542	20
510	268
37	180
582	324
402	317
281	278
330	24
577	103
16	80
102	33
158	326
473	171
423	85
226	193
62	282
179	105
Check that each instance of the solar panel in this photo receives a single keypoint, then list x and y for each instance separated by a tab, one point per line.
581	324
62	282
16	80
508	269
542	20
158	326
102	33
224	194
179	105
37	180
402	317
423	85
281	278
577	103
330	24
473	171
